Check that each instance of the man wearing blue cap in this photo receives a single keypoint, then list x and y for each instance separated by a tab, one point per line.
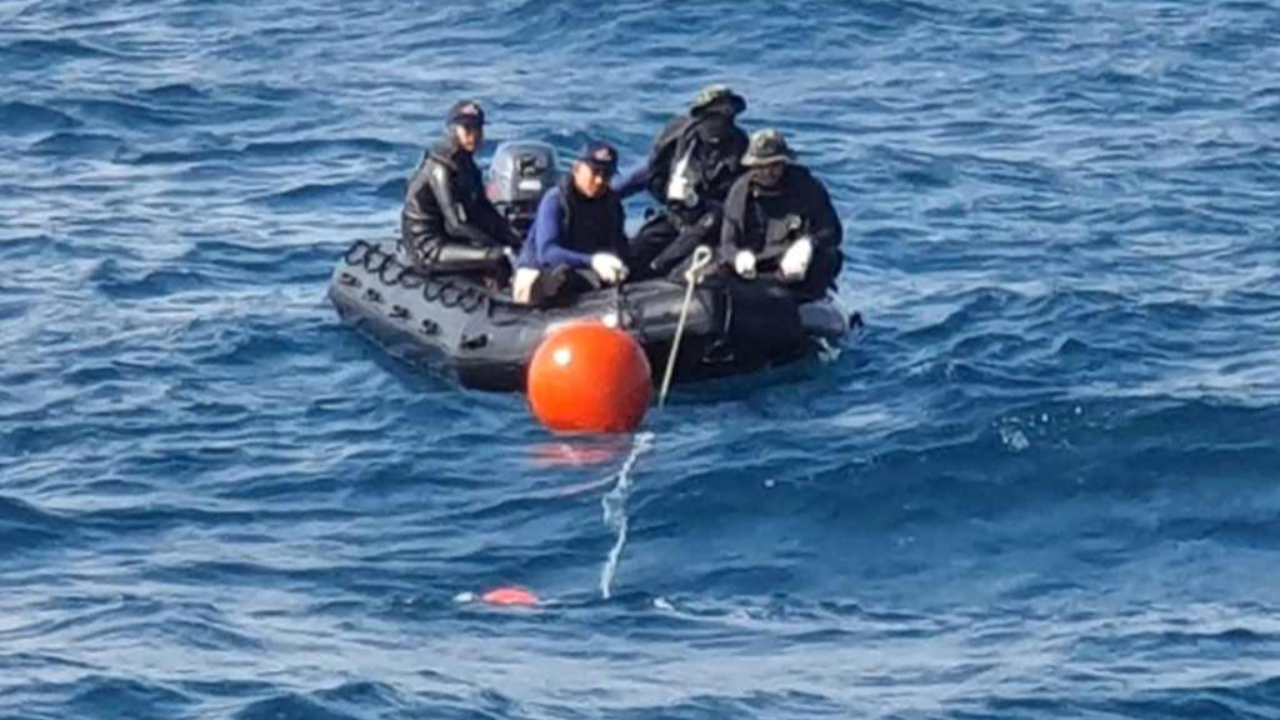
779	224
577	241
448	225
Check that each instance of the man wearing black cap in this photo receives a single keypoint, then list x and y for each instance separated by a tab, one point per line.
690	169
779	223
577	241
448	224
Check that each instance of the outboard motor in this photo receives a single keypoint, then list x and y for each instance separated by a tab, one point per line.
521	171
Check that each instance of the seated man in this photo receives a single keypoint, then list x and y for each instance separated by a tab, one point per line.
448	224
690	169
779	222
577	240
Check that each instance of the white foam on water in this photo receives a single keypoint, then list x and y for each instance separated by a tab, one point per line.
614	504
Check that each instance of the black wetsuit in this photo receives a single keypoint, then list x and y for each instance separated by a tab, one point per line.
448	224
714	146
767	221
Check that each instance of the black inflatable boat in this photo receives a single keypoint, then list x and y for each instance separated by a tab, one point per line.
487	341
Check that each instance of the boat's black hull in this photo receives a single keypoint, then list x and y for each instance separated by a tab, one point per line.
487	341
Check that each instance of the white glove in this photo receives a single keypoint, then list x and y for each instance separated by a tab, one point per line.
522	284
744	263
609	267
795	261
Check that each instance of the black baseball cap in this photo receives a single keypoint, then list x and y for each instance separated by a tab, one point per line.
466	113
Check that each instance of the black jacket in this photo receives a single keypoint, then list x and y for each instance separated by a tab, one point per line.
716	145
767	221
445	206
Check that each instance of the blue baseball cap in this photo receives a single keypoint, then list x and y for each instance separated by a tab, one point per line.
602	156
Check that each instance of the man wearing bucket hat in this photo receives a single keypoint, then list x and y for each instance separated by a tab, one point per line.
779	223
692	165
577	241
448	225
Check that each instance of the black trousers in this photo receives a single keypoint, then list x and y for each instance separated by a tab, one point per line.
441	257
664	244
561	284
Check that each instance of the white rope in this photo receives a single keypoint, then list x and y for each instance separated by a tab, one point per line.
615	513
614	502
701	258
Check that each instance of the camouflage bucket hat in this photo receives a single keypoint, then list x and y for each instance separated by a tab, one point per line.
767	147
713	96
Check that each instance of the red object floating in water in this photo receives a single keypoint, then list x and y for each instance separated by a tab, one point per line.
589	377
507	596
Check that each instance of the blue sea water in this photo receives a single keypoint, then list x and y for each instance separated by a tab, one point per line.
1042	483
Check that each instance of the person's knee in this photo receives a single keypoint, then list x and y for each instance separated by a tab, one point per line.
551	286
522	285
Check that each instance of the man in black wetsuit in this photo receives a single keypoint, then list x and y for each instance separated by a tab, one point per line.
690	168
448	224
779	223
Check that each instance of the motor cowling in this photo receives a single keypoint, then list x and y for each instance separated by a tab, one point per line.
520	172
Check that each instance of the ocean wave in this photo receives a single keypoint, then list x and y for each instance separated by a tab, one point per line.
20	118
124	695
24	527
115	280
28	55
324	707
176	93
310	194
353	146
79	145
129	116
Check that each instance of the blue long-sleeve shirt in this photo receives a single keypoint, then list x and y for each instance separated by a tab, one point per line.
544	247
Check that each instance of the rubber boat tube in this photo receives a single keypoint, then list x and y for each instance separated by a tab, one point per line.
486	341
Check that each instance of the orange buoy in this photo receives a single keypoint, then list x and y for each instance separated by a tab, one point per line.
589	377
508	596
